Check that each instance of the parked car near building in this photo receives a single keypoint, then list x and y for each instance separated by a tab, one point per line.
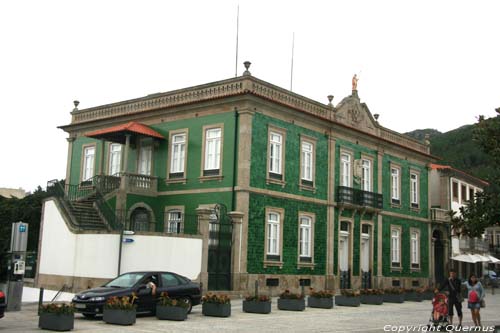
3	304
491	278
90	302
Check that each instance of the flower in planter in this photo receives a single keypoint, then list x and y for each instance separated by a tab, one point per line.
214	298
371	291
321	293
58	308
350	292
259	298
121	303
288	295
165	300
394	291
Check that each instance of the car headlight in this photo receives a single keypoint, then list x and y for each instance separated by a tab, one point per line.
97	299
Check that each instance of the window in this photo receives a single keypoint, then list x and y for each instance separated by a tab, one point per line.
169	280
463	193
345	169
454	191
139	220
145	154
213	141
366	175
273	234
395	248
115	157
178	155
307	163
305	234
414	190
88	163
275	154
395	186
174	222
471	193
415	246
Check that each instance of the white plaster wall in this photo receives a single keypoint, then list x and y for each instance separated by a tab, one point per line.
96	255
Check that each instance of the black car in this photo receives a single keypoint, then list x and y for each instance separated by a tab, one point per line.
90	302
2	303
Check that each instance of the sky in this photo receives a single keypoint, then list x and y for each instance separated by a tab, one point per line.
421	64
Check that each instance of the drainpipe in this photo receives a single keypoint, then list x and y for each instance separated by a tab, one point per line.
235	160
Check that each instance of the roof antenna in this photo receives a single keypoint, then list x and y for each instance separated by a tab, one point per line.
237	35
291	68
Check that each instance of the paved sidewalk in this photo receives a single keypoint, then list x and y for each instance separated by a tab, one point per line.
366	318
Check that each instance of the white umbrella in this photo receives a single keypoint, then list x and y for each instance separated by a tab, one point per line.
481	258
493	260
466	258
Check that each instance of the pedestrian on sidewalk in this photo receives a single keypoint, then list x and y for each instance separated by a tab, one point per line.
475	298
455	299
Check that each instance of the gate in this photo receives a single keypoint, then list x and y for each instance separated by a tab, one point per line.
345	279
220	241
366	280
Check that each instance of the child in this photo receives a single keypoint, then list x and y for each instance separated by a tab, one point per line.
440	309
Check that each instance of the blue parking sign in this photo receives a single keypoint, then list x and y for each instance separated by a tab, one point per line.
22	228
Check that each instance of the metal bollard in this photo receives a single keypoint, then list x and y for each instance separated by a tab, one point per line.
40	300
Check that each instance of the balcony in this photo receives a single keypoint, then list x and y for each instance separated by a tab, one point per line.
141	184
473	245
440	215
495	249
348	196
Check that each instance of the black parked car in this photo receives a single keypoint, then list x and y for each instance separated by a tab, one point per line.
90	302
2	303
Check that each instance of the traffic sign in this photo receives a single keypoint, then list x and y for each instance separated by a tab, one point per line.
128	240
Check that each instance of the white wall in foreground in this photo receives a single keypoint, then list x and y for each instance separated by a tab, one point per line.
96	255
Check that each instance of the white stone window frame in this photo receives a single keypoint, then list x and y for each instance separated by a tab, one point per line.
303	181
350	239
218	176
312	218
371	160
394	199
166	223
110	158
453	197
415	264
362	235
281	215
350	168
145	143
415	204
83	176
398	267
269	179
171	135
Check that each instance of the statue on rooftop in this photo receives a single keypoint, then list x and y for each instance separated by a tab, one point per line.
355	82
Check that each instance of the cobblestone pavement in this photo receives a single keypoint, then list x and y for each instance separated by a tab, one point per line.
366	318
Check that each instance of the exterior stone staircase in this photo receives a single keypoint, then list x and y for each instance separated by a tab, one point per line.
86	214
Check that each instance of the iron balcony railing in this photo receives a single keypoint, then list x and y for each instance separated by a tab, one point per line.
494	249
473	245
352	196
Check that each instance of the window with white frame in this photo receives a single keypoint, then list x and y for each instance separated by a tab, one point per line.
273	235
275	153
145	156
415	246
414	190
178	155
366	172
115	157
345	169
213	138
305	236
395	185
174	221
395	248
88	163
307	162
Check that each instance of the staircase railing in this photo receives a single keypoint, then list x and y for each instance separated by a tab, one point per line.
107	212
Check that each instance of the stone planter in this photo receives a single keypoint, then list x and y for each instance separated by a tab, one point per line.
427	296
216	310
56	321
119	317
320	302
347	301
372	299
167	312
394	298
413	297
291	304
257	307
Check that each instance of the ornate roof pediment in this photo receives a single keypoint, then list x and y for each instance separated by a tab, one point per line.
351	112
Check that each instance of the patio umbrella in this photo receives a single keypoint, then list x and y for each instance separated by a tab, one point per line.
481	258
493	260
466	258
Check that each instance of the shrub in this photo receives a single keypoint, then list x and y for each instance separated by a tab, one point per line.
372	291
260	298
288	295
165	300
394	291
214	298
350	292
321	293
121	303
59	308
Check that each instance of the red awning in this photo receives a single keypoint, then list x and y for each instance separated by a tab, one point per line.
117	133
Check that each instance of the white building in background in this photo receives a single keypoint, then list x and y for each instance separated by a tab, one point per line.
13	192
451	189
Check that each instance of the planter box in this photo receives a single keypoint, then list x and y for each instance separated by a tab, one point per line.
291	304
165	312
413	297
347	301
428	296
119	317
216	310
257	307
56	321
394	298
372	299
322	303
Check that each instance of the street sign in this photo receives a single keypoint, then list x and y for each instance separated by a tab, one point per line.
128	232
22	228
19	237
128	240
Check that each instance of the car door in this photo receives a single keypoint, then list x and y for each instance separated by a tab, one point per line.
172	285
146	301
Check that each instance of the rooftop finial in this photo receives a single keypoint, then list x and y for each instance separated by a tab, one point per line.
376	115
76	103
330	99
247	66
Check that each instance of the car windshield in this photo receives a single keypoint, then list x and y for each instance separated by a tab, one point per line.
126	280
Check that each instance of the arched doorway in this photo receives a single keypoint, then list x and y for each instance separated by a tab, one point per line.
139	219
437	237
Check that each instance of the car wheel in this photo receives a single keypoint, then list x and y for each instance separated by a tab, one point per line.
89	315
187	300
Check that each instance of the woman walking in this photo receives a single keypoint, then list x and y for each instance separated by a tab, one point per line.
475	297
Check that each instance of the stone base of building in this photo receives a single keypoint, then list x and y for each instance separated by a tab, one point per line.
73	284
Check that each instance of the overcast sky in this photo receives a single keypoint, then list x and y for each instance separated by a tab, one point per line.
422	64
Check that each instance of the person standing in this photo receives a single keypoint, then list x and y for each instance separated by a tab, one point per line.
475	297
455	299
